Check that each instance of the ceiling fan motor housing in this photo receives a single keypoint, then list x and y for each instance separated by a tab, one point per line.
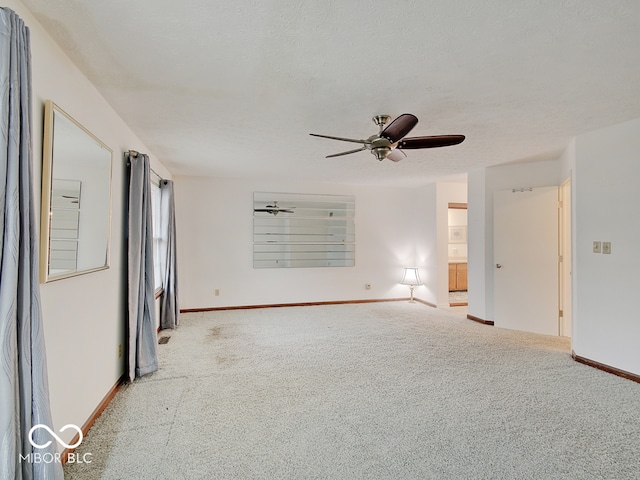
380	147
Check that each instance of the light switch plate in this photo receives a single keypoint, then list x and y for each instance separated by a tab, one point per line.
606	248
597	247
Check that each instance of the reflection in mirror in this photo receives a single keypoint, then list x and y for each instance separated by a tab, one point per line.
65	225
293	230
76	198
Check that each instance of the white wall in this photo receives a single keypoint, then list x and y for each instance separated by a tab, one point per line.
482	185
478	248
395	228
425	220
83	316
215	249
567	161
606	202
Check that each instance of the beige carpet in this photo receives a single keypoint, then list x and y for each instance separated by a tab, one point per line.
386	390
459	297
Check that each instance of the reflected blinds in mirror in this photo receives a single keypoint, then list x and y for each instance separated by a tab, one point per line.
65	226
303	230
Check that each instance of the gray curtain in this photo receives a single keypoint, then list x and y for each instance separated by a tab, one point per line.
24	391
143	338
169	311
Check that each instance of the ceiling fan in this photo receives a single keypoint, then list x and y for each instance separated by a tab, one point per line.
274	209
390	141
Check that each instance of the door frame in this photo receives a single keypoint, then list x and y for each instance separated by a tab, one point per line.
458	206
565	277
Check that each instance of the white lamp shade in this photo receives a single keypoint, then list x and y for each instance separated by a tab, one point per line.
411	277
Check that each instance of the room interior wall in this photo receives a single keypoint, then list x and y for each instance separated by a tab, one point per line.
215	249
567	160
477	247
482	185
606	199
83	316
425	220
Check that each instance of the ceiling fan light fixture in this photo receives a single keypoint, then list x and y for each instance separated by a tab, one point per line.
381	152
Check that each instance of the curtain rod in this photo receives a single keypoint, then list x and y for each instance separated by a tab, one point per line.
133	153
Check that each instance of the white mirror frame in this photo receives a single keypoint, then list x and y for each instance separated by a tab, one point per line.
82	205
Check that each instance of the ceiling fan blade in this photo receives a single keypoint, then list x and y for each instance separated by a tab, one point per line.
430	142
396	155
347	153
364	142
401	126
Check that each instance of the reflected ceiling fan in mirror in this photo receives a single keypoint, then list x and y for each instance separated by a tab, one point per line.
274	209
391	140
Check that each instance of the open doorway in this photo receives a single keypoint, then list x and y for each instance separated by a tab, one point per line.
457	251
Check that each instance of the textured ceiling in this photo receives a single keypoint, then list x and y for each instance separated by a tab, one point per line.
234	88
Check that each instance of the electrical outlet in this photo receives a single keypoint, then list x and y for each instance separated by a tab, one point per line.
217	293
606	248
367	286
597	247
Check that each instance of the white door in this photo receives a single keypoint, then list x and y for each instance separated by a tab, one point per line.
526	259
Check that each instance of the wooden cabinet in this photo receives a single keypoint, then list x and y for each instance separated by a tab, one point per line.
457	277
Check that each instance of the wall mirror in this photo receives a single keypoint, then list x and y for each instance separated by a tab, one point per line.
76	198
303	230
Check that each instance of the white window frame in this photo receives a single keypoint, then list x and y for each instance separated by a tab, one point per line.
156	221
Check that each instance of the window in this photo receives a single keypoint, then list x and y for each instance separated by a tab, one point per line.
157	230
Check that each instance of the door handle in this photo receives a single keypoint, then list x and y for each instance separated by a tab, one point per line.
498	265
